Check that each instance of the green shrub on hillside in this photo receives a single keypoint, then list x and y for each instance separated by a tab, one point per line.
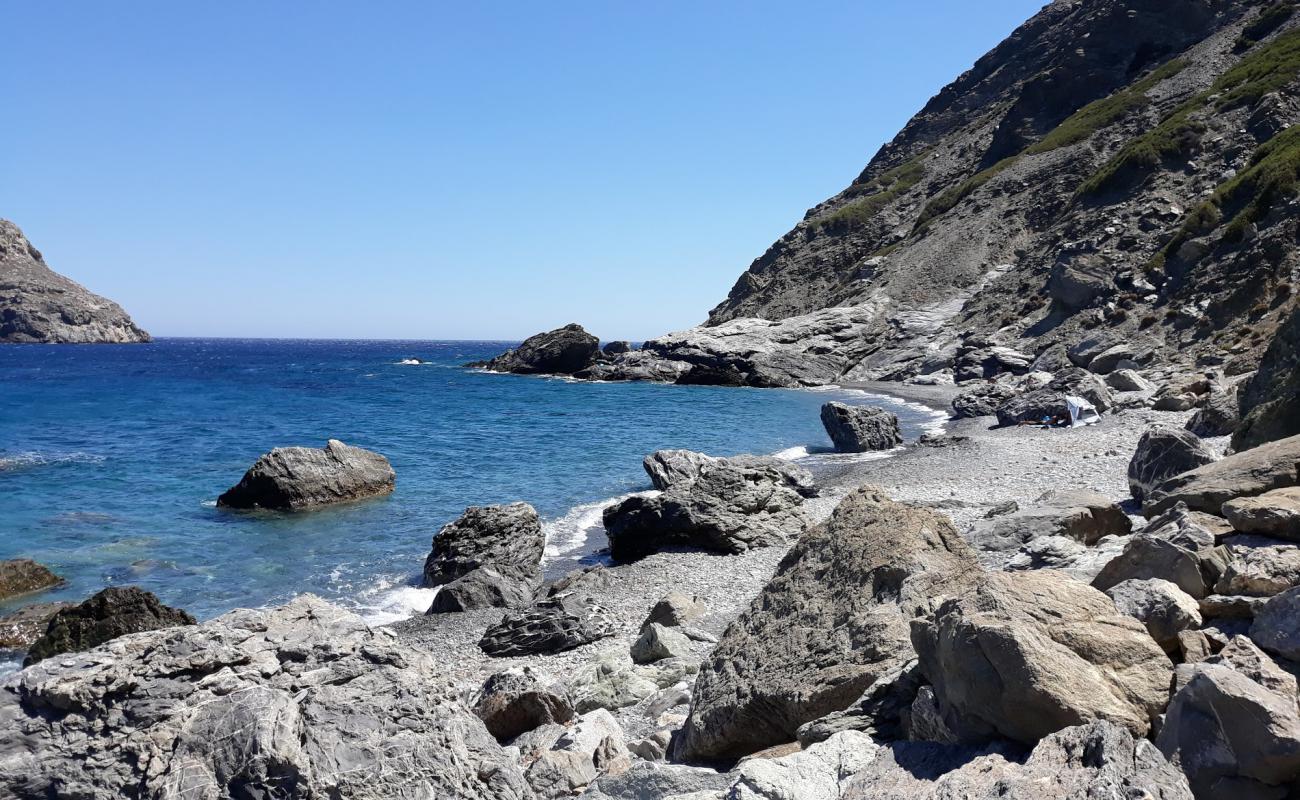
873	196
1269	20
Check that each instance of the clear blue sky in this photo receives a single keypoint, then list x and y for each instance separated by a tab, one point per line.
448	170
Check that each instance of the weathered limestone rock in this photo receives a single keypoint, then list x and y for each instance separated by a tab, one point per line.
110	613
21	576
731	506
303	700
820	772
484	588
591	747
1177	546
979	362
1259	566
674	467
1162	607
1078	514
860	429
1244	474
39	305
1023	655
1270	402
886	710
298	478
1162	453
1113	358
562	351
1128	380
569	614
610	680
1088	762
1063	554
1275	513
488	558
832	620
517	700
657	642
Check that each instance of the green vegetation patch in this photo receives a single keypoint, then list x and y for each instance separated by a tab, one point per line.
1269	20
950	197
1269	68
873	195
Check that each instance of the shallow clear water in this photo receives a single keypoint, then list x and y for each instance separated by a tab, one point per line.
111	458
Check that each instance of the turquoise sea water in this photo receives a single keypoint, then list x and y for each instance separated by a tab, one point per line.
111	459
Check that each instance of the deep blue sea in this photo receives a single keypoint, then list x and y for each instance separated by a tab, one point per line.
112	456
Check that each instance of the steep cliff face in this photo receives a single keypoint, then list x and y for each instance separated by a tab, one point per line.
1115	168
39	305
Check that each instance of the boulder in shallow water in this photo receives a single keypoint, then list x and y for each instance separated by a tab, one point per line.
1162	453
1022	655
298	478
19	576
833	620
489	557
304	700
110	613
860	429
562	351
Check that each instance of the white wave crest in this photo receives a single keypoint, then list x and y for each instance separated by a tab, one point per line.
391	605
27	460
572	530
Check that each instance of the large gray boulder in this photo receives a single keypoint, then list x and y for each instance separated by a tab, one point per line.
39	305
860	429
517	700
833	619
1162	453
108	614
1217	416
567	614
1277	625
1050	401
1022	655
20	576
1178	546
1097	761
1161	606
730	507
562	351
298	478
1244	474
982	400
1079	514
489	557
1258	566
1078	281
1275	513
1270	402
303	700
590	747
674	467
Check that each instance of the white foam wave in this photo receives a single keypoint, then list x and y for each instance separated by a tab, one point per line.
393	604
31	459
571	531
792	453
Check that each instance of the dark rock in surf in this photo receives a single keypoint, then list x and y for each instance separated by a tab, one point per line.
562	351
860	429
111	613
299	478
21	576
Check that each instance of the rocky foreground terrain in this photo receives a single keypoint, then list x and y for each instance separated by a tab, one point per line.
39	305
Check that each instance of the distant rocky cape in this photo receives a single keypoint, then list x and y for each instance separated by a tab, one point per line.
38	305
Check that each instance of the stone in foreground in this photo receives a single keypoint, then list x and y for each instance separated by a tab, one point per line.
1025	654
514	701
21	576
40	305
110	613
833	620
303	700
299	478
860	429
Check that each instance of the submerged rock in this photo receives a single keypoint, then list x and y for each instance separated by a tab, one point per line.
19	576
562	351
39	305
20	629
110	613
832	621
303	700
860	429
299	478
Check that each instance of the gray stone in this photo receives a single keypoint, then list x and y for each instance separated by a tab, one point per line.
1270	401
1078	514
1275	513
1162	607
20	576
21	628
303	700
1230	607
1146	556
882	711
611	681
562	351
1277	625
982	400
860	429
675	610
514	701
1050	401
1244	474
37	305
833	620
1113	357
591	747
108	614
569	614
1128	380
1217	416
658	642
484	588
1078	281
490	557
1085	350
1162	453
660	782
1022	655
818	773
674	467
298	478
1259	566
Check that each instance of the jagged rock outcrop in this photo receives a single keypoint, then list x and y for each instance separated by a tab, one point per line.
1162	453
19	576
860	429
669	467
39	305
566	614
562	351
1080	515
833	620
303	700
110	613
301	478
1022	655
1245	474
489	557
1270	402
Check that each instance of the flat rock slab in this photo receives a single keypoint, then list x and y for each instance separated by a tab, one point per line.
1245	474
299	478
1275	514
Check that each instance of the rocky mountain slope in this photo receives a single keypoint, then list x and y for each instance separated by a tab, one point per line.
39	305
1116	168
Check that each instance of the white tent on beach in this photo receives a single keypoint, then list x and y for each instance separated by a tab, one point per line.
1081	411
